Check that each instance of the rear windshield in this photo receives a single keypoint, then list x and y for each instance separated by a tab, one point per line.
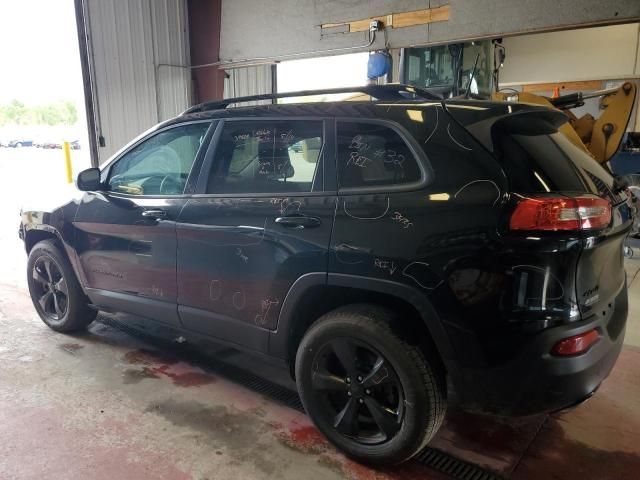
538	163
596	177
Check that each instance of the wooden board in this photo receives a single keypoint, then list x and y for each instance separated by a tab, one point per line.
363	25
421	17
397	20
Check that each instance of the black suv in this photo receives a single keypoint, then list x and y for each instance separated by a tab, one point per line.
392	252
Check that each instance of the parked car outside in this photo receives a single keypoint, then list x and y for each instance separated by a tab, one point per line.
412	246
48	144
20	143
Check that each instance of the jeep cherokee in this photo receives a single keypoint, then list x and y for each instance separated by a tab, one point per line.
390	251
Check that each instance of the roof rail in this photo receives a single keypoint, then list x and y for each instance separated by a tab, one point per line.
392	91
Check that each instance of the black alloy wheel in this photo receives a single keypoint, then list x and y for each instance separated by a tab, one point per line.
50	288
361	392
374	394
54	288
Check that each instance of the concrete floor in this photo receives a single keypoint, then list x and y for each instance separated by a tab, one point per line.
105	404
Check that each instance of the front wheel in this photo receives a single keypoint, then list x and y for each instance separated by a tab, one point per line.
55	291
370	392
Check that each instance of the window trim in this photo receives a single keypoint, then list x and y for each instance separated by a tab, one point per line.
196	166
208	163
420	156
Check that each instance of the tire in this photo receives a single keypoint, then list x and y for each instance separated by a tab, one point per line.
18	145
55	291
412	389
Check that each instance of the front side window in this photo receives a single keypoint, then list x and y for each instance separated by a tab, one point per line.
267	156
159	165
372	155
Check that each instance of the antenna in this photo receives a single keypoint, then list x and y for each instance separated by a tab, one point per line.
473	72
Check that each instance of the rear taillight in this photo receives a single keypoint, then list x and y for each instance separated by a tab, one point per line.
567	347
561	213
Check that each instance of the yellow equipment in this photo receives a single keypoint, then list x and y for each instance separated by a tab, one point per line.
600	137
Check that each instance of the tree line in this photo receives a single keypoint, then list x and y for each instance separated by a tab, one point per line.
58	113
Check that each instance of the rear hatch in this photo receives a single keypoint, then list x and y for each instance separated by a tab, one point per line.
542	164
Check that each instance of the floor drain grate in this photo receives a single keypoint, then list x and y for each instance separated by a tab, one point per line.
429	457
455	468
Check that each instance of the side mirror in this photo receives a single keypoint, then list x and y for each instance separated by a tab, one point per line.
89	180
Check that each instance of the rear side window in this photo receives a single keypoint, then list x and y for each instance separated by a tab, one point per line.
538	163
267	156
372	155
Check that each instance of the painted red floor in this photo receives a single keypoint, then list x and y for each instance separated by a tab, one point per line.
106	405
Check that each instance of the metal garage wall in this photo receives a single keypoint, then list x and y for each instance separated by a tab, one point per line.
137	51
171	51
248	81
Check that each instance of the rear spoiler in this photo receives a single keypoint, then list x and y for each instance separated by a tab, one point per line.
520	119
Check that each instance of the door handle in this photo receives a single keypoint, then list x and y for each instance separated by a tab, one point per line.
154	213
298	221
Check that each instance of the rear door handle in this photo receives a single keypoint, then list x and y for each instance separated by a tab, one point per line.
298	221
154	214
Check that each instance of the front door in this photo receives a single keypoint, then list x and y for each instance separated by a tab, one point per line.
126	235
263	220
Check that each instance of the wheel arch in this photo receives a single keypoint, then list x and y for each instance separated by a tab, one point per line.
315	294
34	235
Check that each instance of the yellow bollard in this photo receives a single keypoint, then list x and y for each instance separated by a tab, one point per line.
66	148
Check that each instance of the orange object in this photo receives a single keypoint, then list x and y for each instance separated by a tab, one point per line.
556	92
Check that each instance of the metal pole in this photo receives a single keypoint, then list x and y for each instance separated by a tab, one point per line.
66	148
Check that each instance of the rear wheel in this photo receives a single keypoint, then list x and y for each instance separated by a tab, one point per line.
55	291
372	394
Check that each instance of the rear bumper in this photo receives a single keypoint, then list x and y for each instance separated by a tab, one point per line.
538	382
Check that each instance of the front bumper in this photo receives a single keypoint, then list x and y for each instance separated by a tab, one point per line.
537	382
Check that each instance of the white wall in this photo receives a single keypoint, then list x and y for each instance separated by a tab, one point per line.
600	53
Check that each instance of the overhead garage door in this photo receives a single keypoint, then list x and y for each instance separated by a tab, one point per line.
138	53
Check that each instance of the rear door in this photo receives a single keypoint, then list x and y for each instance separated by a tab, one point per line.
263	218
380	176
126	235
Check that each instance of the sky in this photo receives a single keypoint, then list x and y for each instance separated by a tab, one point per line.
39	55
328	72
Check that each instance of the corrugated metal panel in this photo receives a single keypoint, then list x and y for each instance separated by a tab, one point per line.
128	39
248	81
171	49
